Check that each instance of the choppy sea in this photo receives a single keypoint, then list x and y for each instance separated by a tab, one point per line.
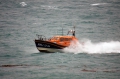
97	26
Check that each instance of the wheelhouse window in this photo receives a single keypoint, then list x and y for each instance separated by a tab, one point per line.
54	38
65	39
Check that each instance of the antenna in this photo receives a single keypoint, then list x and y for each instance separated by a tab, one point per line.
74	28
62	30
74	31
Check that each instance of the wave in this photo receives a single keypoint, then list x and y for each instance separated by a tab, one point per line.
93	48
97	4
49	7
23	4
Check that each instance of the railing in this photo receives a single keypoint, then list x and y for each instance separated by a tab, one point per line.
41	37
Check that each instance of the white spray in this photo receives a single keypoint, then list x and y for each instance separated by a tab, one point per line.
92	48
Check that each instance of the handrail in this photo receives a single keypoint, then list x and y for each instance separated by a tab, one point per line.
41	37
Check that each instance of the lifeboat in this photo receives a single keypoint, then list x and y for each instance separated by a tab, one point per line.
55	43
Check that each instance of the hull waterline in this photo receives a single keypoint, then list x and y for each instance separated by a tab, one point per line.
48	47
49	50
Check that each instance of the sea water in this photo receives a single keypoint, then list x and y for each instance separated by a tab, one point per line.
95	56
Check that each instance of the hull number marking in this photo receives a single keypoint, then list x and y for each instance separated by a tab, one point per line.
43	45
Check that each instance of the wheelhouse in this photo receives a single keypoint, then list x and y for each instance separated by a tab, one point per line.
62	40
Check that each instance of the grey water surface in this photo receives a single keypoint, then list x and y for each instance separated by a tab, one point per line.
97	23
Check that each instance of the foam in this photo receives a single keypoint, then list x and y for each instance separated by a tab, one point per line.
96	4
93	48
23	4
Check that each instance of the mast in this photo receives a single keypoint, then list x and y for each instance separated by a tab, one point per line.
74	31
62	30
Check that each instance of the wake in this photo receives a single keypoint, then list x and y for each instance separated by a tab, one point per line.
93	48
